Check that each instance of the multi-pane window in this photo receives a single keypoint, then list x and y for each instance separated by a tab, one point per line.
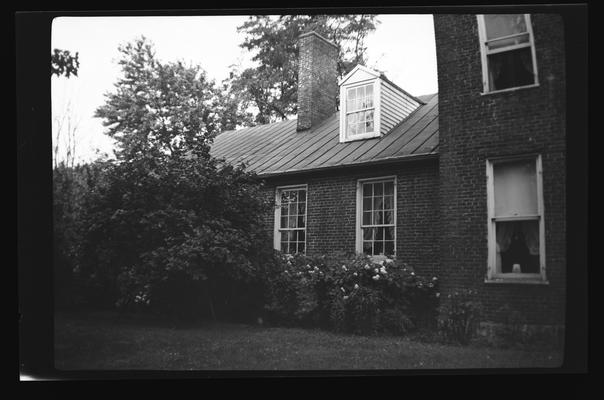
377	217
508	51
360	110
291	220
516	219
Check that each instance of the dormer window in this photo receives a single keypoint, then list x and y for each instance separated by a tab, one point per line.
371	105
508	51
360	110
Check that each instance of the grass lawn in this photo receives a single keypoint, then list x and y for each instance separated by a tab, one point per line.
105	341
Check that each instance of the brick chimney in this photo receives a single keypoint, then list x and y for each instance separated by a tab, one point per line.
317	79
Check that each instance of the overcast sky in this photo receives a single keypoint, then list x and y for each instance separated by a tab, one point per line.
402	46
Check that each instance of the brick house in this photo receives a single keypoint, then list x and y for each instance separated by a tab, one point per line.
467	184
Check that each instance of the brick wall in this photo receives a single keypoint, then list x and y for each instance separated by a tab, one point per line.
474	128
331	210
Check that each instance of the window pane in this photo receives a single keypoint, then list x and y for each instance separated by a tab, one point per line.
302	195
284	210
367	218
292	208
369	91
368	116
367	248
389	217
389	188
301	247
358	103
301	236
378	203
378	189
378	217
284	247
389	233
367	234
352	126
368	126
367	189
498	25
379	234
389	248
515	188
352	94
511	69
378	248
517	246
284	222
367	203
301	221
292	222
302	208
388	201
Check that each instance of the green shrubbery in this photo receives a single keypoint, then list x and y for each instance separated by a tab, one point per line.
350	294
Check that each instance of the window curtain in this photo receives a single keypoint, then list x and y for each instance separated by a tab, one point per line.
530	229
504	239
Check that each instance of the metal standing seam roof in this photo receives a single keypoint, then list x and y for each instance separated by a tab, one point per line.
278	149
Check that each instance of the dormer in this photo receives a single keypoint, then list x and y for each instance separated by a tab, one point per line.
371	105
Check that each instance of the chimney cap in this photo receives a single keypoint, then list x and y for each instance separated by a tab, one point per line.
319	36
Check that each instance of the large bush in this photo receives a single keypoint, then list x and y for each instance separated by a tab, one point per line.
350	294
181	225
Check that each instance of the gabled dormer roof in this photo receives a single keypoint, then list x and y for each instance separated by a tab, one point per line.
361	73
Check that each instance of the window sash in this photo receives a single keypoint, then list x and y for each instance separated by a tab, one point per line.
361	209
279	206
492	274
485	52
360	126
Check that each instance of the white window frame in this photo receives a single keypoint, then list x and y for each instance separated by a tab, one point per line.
277	224
485	52
344	134
492	275
359	210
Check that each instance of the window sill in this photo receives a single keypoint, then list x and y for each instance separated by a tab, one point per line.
510	89
516	279
362	136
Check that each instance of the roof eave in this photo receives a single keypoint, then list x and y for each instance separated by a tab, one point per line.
389	160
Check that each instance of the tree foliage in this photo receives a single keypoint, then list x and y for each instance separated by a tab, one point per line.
62	62
271	86
160	108
167	211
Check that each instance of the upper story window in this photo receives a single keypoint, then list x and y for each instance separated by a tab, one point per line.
371	105
507	51
516	226
360	110
290	219
360	97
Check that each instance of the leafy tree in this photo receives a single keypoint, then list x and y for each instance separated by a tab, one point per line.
271	86
160	109
71	187
169	216
62	62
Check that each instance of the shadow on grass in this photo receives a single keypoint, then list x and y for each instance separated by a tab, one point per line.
113	341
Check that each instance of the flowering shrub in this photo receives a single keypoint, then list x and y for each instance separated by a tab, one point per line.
350	294
459	316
